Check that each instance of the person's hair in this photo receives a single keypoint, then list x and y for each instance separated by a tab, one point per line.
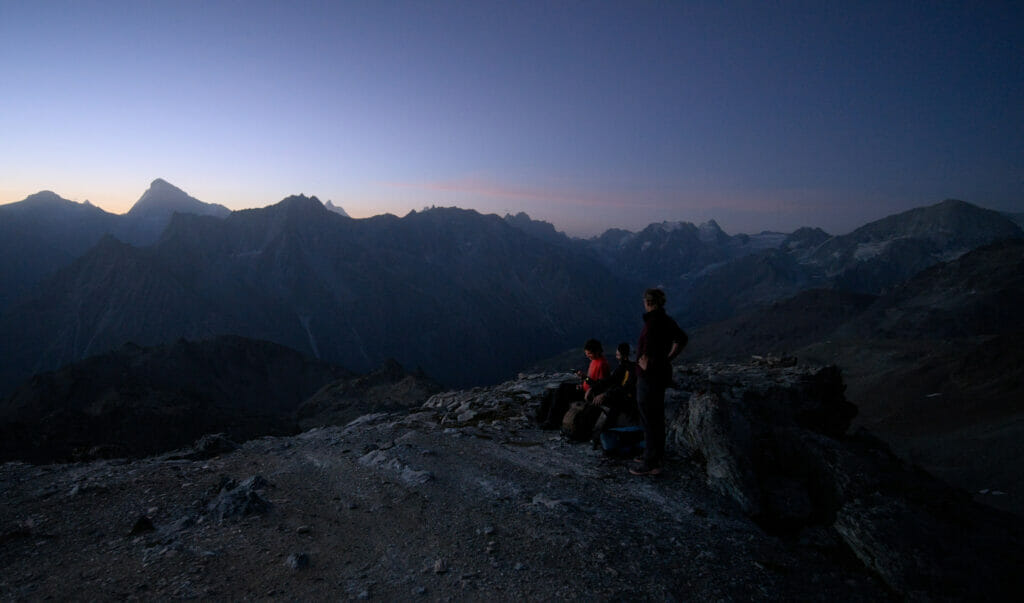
655	297
623	350
593	346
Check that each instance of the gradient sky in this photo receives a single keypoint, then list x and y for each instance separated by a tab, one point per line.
590	115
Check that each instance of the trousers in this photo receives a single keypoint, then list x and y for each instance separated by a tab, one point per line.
650	398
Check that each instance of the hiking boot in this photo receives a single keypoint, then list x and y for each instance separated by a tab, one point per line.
643	469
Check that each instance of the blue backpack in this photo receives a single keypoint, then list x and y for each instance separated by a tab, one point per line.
623	441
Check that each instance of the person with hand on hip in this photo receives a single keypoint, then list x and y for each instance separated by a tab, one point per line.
661	340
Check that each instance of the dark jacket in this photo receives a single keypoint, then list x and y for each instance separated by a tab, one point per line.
623	379
659	333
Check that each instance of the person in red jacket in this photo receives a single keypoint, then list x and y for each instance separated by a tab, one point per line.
598	369
661	340
554	408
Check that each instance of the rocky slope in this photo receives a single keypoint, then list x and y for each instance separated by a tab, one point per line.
139	401
934	364
463	498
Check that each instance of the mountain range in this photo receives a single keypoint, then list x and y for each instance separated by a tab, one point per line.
464	296
45	232
469	298
920	309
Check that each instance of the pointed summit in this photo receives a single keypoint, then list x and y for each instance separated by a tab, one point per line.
711	232
163	199
152	212
301	204
336	208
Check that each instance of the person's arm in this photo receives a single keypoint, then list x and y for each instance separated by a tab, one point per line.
679	341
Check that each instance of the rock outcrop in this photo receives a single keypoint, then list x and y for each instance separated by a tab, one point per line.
764	498
772	436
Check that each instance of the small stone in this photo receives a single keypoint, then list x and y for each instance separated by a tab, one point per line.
298	561
142	524
304	530
488	530
519	567
440	566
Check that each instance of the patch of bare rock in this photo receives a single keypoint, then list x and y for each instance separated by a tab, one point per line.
464	498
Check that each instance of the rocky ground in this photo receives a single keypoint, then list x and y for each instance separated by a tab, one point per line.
461	499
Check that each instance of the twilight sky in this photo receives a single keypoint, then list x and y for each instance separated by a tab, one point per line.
589	115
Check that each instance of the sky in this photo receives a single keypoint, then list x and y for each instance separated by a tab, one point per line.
589	115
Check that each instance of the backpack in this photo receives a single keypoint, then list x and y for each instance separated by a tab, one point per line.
554	404
622	441
579	420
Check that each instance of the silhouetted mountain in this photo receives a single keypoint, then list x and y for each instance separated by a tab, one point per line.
465	296
544	231
684	259
980	293
149	216
661	253
43	233
739	286
872	258
804	241
888	251
113	294
138	401
935	364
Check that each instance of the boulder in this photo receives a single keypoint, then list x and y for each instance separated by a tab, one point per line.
773	438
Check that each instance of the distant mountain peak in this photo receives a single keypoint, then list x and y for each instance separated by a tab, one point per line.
301	200
48	202
301	205
163	198
46	197
336	209
711	232
536	228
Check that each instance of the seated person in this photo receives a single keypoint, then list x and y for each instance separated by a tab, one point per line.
552	411
617	392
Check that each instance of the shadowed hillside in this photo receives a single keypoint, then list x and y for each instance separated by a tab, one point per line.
934	364
464	296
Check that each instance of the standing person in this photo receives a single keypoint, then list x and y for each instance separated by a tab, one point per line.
661	340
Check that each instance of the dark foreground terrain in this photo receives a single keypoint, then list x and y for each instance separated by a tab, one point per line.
465	499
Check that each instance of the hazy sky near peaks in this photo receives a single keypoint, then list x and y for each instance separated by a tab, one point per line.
590	115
